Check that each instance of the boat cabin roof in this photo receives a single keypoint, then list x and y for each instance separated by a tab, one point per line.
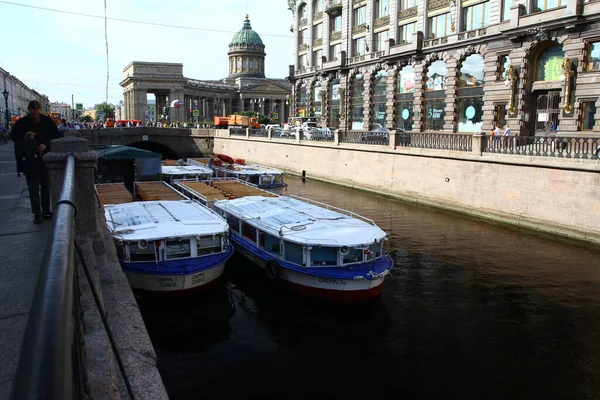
186	170
299	221
250	169
154	220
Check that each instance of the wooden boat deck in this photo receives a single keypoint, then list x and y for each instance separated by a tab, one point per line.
170	163
113	193
157	191
211	193
235	190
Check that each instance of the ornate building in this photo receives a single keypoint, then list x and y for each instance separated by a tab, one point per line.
19	96
449	65
185	99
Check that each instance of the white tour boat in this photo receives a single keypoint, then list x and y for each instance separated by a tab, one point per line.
266	178
197	172
168	244
317	249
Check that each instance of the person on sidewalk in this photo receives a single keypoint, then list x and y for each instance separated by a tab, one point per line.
38	182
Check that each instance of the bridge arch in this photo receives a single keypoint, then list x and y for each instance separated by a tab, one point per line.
166	151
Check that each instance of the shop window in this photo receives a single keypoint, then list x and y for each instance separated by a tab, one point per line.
476	16
543	5
438	26
405	33
316	100
379	102
588	112
548	64
593	56
404	98
358	47
381	8
334	103
302	101
470	94
358	88
435	96
359	16
506	4
380	39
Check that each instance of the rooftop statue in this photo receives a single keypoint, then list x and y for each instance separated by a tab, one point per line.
292	6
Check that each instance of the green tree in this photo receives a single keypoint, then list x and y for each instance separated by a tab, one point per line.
107	109
87	118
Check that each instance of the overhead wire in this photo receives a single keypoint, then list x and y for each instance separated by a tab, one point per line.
132	21
106	43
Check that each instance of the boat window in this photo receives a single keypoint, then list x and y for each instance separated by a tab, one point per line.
323	256
268	243
138	254
375	250
234	223
178	248
354	255
208	245
253	179
293	253
266	180
248	231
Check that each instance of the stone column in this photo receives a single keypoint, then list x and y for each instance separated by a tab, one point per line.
418	98
391	118
85	165
450	119
140	104
367	99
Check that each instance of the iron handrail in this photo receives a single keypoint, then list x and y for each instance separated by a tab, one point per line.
45	369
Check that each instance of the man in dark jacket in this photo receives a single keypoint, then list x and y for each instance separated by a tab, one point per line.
36	173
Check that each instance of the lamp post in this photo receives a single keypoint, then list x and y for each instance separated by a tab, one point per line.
5	94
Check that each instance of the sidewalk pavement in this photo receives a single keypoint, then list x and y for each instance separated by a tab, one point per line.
21	250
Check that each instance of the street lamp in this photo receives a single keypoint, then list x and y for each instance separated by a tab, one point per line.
5	94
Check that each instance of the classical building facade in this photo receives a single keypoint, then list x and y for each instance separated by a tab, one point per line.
19	96
184	99
449	65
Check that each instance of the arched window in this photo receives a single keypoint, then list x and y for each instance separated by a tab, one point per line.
302	11
548	64
379	103
404	98
358	88
334	103
435	96
470	94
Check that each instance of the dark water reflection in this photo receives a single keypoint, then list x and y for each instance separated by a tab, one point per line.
473	311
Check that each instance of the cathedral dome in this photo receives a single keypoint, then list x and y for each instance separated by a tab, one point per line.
246	39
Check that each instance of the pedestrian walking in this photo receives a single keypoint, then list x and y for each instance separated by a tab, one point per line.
32	135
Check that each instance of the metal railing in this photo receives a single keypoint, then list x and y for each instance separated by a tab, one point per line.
258	132
237	131
545	146
440	141
49	364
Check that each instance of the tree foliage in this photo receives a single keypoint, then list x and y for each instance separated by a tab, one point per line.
107	109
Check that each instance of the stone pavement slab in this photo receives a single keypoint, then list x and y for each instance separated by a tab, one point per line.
21	250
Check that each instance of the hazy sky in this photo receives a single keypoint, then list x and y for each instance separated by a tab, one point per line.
57	47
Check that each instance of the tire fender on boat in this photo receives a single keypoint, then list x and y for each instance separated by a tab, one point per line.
273	269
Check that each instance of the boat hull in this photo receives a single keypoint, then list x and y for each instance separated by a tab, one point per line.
176	277
328	288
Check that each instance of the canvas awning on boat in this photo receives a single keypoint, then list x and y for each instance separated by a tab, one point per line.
125	153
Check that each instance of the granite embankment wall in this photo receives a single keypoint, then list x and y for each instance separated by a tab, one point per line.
549	194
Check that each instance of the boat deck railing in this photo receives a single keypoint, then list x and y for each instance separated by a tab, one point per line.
333	208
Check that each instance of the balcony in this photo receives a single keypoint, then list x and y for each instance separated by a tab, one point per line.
333	8
472	34
335	36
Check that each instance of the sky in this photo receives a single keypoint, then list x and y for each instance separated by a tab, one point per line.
57	47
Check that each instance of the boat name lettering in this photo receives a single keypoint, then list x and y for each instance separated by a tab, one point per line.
199	277
166	281
330	281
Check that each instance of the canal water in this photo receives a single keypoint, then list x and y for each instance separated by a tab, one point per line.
472	311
